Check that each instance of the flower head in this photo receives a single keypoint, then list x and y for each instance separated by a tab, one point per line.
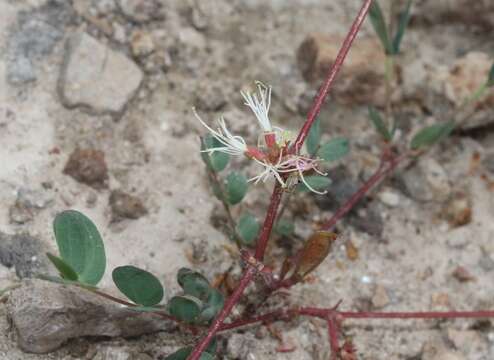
276	161
288	170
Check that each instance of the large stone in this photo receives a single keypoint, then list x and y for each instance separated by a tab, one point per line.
44	315
426	181
361	79
97	77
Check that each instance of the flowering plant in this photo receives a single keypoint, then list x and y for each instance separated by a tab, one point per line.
201	306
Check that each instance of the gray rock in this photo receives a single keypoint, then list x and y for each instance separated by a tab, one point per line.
44	315
96	77
425	181
35	35
21	251
140	10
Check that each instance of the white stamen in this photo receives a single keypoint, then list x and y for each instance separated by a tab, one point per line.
260	105
233	144
307	184
294	164
269	169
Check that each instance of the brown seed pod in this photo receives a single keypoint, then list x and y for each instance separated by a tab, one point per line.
316	249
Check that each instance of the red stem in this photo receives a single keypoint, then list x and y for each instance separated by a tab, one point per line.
420	315
333	337
262	242
163	315
275	315
278	191
218	322
289	314
333	71
383	171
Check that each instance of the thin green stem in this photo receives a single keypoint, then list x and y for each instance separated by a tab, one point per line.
231	222
388	80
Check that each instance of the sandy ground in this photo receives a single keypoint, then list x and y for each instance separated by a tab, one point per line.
203	53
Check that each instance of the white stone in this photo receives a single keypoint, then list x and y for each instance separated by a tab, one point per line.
389	197
96	76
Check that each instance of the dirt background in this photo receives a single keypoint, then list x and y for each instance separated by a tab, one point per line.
404	253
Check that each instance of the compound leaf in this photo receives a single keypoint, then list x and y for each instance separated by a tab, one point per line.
248	228
65	270
185	307
236	187
184	353
213	305
284	227
334	149
379	24
138	285
431	134
317	182
403	20
314	137
217	160
80	245
379	124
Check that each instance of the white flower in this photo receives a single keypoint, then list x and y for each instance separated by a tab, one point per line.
297	164
259	104
294	165
232	144
268	170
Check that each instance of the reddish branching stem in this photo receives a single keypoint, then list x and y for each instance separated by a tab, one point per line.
218	321
481	314
336	315
161	314
333	335
382	172
267	226
278	191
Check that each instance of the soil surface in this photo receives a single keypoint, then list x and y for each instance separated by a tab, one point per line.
96	101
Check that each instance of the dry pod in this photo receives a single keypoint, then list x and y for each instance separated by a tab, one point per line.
315	250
